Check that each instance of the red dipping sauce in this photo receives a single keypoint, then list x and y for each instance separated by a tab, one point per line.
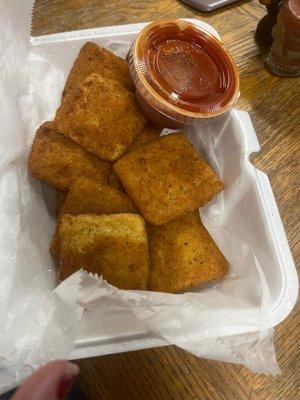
182	73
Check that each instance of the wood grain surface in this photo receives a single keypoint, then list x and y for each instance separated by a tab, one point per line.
170	373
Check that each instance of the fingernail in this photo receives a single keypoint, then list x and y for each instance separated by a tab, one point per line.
66	382
72	369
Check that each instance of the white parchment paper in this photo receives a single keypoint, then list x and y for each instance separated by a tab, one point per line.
229	320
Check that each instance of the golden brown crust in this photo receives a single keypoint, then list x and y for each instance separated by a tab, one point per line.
59	161
149	133
114	246
95	59
55	242
167	178
60	199
183	255
100	115
114	181
87	196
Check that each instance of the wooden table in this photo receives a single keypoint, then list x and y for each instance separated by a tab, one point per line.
169	373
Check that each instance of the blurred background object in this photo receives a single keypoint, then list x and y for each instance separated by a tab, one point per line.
264	28
76	394
279	31
284	56
208	5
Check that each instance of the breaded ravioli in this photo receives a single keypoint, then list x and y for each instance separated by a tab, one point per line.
114	181
87	196
167	178
149	133
60	199
183	255
55	242
95	59
59	161
102	116
114	246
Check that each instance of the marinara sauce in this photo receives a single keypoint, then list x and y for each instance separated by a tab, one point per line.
182	73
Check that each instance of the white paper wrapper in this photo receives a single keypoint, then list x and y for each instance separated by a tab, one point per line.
230	320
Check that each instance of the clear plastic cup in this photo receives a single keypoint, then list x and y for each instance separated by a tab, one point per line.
183	75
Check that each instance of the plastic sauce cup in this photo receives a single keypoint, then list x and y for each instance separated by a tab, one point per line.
182	74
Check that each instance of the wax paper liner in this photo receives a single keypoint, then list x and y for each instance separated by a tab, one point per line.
229	320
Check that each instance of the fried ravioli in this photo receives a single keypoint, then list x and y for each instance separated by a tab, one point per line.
149	133
100	115
87	196
59	161
167	178
95	59
60	199
114	246
114	181
183	255
55	242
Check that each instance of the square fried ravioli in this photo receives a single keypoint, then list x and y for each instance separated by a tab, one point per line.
95	59
167	178
59	161
87	196
102	116
183	255
149	133
114	246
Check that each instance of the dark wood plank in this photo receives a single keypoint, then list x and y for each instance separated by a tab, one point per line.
170	373
164	373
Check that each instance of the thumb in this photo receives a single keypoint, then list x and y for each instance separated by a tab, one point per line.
51	382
